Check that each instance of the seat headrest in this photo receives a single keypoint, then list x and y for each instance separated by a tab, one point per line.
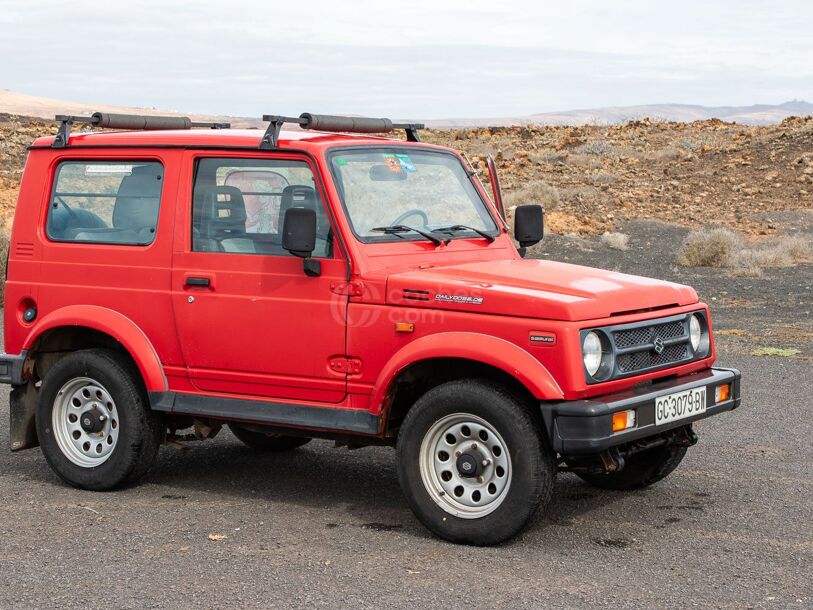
220	210
138	198
296	196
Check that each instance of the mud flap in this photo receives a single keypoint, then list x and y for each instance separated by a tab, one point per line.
23	404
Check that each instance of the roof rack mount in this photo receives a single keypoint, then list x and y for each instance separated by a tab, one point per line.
137	122
333	123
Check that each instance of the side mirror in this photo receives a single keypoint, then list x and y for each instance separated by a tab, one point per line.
529	223
299	231
299	237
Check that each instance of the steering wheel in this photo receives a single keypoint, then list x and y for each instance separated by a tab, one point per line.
412	212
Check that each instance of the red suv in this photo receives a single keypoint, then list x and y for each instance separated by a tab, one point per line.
165	281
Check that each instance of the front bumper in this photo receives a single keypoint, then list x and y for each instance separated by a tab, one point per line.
582	427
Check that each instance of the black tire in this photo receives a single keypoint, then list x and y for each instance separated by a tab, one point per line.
140	429
533	469
641	470
271	443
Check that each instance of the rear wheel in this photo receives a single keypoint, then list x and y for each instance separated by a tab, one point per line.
472	462
271	443
93	421
640	470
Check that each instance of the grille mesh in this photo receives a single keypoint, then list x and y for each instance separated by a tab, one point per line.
637	361
643	337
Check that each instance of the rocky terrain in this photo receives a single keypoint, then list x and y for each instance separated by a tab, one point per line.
593	178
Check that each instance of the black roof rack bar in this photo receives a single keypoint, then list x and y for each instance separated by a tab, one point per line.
137	122
333	123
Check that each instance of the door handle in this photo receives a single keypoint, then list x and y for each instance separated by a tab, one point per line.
202	282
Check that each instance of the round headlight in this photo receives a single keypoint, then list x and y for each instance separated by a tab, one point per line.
591	350
695	331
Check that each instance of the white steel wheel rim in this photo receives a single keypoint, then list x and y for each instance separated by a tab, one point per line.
76	400
473	495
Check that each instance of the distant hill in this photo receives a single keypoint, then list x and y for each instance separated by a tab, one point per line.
759	114
22	104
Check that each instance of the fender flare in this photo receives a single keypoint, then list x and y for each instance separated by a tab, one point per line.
486	349
114	324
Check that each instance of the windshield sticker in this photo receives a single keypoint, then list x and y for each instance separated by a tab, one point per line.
457	298
393	164
406	163
341	161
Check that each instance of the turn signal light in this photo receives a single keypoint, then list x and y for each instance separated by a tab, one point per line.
722	392
404	327
623	420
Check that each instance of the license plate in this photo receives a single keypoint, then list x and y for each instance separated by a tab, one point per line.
680	405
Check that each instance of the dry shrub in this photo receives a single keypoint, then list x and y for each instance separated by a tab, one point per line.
723	248
616	241
548	156
585	161
785	253
710	248
538	191
603	178
596	147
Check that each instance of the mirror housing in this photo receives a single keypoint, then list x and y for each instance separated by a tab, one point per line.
529	224
299	231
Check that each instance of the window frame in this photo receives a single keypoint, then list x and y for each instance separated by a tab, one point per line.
102	161
260	157
403	237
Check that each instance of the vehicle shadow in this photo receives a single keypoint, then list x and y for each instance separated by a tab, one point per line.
353	488
357	487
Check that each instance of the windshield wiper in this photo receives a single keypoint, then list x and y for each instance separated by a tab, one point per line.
455	228
395	229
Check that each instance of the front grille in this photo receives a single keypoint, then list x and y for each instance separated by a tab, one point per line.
638	361
647	346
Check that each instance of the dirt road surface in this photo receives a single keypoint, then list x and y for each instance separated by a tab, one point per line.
325	527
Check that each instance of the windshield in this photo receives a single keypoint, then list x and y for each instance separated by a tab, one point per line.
399	186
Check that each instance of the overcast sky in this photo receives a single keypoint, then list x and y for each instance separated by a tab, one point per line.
408	59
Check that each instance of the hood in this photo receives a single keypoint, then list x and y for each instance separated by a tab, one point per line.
534	289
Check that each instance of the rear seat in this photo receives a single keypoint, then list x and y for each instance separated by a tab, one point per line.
135	211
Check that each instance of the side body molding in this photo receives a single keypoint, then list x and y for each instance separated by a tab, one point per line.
486	349
112	323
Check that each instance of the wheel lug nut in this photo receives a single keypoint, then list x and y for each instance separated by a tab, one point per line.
480	479
474	445
458	453
486	462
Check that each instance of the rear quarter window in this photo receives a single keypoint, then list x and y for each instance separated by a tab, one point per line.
106	202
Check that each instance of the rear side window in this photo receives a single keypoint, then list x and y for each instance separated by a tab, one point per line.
108	202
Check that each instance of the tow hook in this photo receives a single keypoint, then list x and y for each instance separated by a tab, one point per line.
686	437
612	460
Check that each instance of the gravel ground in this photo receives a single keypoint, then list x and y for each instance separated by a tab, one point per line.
325	527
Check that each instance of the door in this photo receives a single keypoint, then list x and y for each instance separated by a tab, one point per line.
249	320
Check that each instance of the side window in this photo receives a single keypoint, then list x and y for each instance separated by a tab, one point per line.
109	202
239	205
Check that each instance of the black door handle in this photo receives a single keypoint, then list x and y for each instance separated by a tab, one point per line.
198	281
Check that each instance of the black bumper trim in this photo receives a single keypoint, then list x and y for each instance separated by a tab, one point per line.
11	368
332	419
581	427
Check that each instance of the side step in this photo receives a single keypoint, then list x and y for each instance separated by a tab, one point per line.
332	419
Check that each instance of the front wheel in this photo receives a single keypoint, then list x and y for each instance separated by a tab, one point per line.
94	425
472	462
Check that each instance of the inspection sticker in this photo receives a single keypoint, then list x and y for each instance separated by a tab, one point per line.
406	163
393	164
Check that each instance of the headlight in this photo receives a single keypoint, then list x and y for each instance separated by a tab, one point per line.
591	350
695	331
